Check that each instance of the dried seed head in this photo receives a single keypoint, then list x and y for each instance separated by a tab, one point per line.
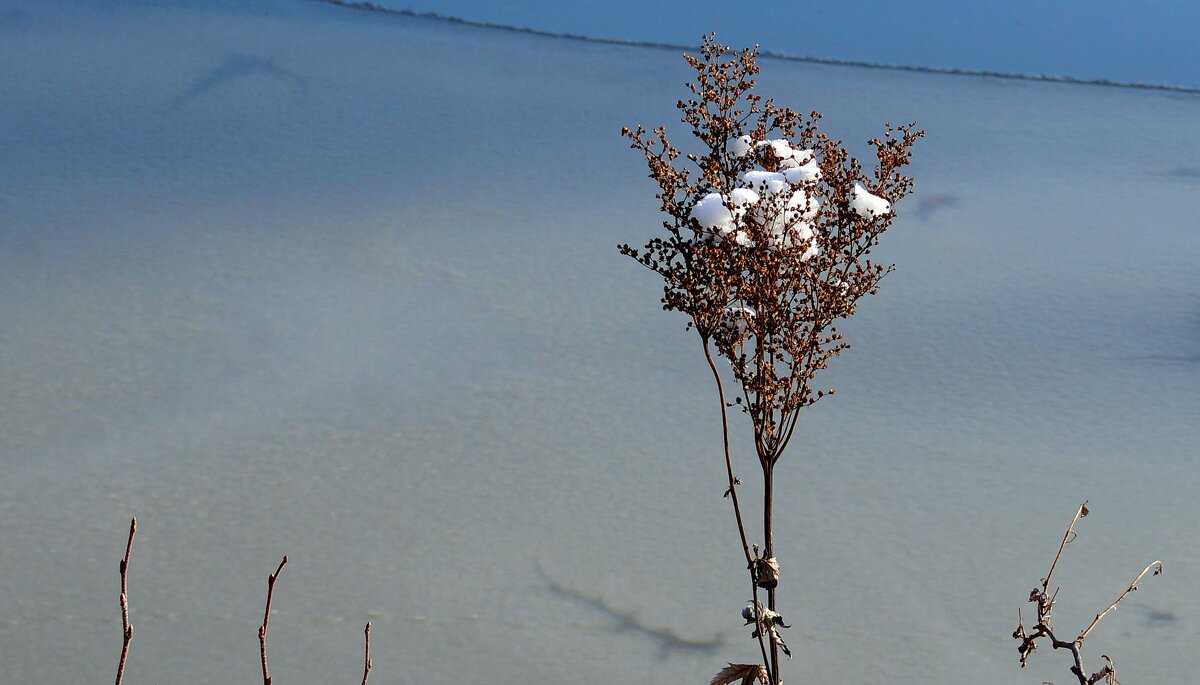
768	233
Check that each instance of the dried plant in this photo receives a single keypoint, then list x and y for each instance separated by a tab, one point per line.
1044	599
262	630
127	627
366	653
769	228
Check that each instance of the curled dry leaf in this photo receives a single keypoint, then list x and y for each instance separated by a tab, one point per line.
746	673
767	622
767	572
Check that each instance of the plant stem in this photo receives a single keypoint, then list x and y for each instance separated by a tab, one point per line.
126	626
367	654
733	481
769	551
262	630
737	512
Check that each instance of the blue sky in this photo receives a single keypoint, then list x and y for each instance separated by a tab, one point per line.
1150	42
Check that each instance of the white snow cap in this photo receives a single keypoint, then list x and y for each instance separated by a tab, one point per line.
867	205
711	213
791	224
799	234
770	181
717	220
739	147
791	157
809	171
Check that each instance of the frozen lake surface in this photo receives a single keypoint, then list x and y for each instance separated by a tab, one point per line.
286	278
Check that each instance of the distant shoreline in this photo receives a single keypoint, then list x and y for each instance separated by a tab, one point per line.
364	5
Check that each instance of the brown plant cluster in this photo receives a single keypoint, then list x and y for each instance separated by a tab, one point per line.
768	234
769	231
1044	599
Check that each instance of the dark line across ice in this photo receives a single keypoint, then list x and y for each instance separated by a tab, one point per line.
433	16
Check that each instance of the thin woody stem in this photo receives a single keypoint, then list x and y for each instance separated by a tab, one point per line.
1156	566
769	549
126	626
733	481
262	630
737	509
367	653
1045	603
1079	513
1073	647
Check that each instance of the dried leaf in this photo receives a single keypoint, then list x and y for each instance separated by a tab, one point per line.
744	672
729	491
768	623
767	572
778	640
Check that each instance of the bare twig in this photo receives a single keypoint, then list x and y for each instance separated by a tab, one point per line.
1045	604
734	481
1156	566
262	630
126	626
367	653
1067	537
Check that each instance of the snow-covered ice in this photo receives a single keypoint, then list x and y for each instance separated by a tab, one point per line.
280	277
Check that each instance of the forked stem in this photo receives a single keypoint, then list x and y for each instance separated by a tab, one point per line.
262	630
1045	604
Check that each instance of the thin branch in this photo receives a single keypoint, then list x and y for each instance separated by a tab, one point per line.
367	653
1079	513
733	480
262	630
732	492
1045	603
1156	566
126	626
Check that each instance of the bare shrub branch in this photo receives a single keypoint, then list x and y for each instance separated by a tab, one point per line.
1156	566
367	653
126	626
1045	604
262	630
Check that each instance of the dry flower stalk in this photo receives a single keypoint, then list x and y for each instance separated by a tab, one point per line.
1044	599
126	626
367	653
769	228
262	630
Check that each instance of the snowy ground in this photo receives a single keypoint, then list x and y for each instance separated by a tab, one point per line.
285	278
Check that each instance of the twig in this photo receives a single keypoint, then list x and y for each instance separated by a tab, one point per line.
1079	513
1045	604
733	480
262	630
737	511
367	654
126	626
1158	568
